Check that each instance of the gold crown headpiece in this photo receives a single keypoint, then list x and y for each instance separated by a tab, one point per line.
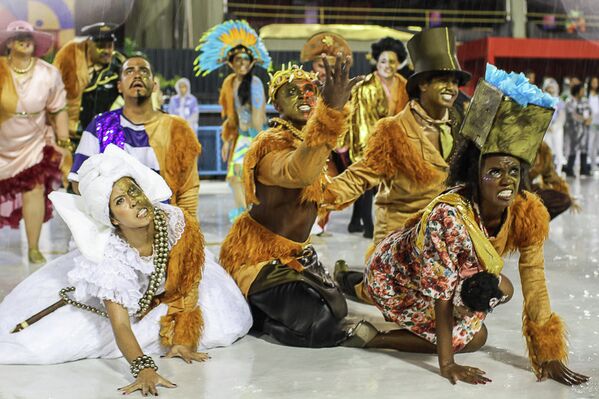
237	50
287	75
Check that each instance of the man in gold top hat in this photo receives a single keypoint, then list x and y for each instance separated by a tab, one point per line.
267	251
406	154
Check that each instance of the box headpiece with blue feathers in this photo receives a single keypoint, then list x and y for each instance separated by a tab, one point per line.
508	115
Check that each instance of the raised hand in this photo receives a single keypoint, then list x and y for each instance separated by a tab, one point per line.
337	85
187	354
455	372
558	371
147	381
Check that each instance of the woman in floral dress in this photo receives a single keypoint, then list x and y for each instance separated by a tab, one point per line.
420	277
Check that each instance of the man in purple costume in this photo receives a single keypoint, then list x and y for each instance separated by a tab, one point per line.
163	142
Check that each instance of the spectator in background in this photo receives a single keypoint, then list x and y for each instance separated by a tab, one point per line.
555	133
594	128
578	120
569	81
184	104
531	76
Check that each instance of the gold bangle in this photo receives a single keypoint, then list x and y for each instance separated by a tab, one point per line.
66	144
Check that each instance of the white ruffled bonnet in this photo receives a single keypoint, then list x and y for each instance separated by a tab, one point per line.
88	215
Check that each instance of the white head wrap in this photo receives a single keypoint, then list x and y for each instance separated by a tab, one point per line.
88	215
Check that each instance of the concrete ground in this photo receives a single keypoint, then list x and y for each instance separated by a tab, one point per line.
256	367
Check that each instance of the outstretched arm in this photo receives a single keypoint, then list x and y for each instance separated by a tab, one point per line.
544	331
148	379
444	330
300	167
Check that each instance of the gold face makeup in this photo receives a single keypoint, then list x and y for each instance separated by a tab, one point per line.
241	64
136	78
129	205
101	52
499	181
296	100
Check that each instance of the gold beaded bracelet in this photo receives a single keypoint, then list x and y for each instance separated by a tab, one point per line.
66	144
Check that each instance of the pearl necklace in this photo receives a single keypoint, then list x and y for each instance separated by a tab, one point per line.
295	131
21	71
156	277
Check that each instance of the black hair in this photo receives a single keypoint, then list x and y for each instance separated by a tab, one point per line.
464	169
245	87
135	54
575	90
590	84
479	289
389	44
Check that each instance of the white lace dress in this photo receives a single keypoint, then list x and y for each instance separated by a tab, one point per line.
70	333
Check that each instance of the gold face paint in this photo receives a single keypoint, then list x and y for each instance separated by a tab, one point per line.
129	205
241	64
499	181
101	52
137	80
296	100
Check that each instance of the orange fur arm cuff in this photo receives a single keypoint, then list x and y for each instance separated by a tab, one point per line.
545	342
326	125
184	328
390	153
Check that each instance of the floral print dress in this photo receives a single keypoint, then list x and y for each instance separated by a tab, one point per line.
405	281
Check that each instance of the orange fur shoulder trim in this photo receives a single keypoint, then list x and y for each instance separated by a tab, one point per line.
545	342
326	125
226	99
187	148
390	153
530	222
66	62
186	260
249	243
273	139
185	267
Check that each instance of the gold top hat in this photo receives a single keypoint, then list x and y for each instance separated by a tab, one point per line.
432	51
325	42
287	75
498	124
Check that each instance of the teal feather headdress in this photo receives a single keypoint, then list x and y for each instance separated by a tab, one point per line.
216	43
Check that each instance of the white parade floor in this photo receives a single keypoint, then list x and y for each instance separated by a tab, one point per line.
256	367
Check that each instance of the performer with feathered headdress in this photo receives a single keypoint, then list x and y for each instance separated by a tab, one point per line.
236	44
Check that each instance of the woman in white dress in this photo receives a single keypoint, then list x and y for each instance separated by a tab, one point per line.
139	282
